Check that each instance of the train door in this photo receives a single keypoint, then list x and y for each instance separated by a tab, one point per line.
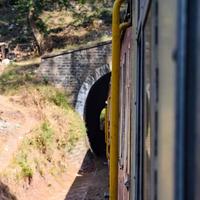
125	118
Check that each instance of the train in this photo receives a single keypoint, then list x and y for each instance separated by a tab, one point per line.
152	119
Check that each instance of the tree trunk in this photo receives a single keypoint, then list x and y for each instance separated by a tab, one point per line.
38	36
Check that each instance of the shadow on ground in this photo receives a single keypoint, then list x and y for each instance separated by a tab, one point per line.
91	182
5	193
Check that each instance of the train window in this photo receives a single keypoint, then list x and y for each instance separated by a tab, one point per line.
122	111
128	115
147	107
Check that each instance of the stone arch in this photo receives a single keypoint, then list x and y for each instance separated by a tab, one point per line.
86	86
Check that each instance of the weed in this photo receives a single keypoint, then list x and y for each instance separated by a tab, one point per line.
41	26
22	161
45	80
16	76
60	100
102	119
53	95
76	130
45	137
43	151
102	115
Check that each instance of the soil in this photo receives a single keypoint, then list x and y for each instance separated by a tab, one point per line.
86	177
15	123
85	180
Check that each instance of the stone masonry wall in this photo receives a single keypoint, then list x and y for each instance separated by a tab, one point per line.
70	69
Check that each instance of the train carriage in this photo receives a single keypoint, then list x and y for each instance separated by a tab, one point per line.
153	113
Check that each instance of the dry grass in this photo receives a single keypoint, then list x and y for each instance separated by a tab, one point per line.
62	28
18	75
57	19
76	25
43	151
29	62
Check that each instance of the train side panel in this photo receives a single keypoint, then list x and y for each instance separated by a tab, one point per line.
125	117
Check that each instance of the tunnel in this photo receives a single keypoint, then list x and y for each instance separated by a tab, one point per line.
95	103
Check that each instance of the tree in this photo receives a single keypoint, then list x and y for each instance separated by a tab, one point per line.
32	10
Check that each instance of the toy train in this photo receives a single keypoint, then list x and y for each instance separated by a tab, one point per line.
153	107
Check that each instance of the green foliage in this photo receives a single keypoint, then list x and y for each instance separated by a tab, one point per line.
53	95
102	115
22	161
59	99
75	131
82	1
38	5
63	2
54	24
106	16
45	138
16	76
102	119
44	150
41	26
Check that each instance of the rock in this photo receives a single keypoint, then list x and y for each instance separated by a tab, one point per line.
11	27
4	125
6	61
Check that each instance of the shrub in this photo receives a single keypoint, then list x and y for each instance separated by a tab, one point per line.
59	99
45	137
26	170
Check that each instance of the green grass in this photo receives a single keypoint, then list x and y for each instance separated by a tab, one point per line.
102	119
102	115
59	99
20	77
76	130
44	139
17	75
44	149
60	22
21	161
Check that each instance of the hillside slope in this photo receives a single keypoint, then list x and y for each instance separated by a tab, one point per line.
38	134
55	27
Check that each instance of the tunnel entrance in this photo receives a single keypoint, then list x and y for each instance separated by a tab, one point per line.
94	105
